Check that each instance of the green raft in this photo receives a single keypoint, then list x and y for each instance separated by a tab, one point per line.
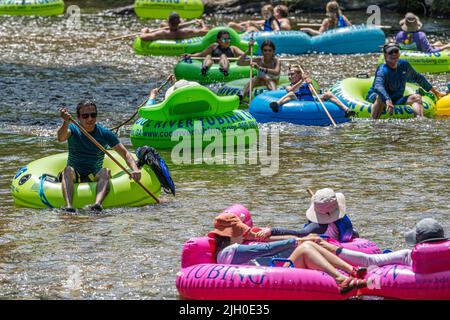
154	9
191	70
31	7
193	115
191	45
353	91
438	62
35	185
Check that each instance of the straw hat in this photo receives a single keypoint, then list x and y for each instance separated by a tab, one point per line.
411	23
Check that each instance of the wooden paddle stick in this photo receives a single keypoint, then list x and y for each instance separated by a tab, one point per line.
112	158
313	90
151	31
311	193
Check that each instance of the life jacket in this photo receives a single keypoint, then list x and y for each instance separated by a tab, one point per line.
268	24
345	228
149	156
341	22
303	93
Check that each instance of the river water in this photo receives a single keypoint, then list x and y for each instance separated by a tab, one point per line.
393	173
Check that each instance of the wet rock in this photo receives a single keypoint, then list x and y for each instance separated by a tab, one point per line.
122	11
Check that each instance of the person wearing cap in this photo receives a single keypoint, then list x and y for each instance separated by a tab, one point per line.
230	232
175	32
426	230
390	82
411	38
326	216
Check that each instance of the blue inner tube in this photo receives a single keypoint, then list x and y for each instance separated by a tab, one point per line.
309	113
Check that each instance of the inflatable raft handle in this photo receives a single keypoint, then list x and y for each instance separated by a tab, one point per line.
275	260
362	76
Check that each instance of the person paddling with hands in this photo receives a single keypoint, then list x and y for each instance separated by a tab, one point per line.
269	67
221	50
85	159
390	82
299	90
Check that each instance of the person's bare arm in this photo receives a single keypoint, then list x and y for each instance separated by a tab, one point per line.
324	27
63	132
126	155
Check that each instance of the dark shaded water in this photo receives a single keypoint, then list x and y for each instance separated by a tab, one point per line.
393	173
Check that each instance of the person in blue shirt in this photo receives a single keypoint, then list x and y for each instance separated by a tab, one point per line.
390	81
85	160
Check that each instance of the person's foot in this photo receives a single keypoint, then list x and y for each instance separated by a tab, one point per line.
349	113
274	106
68	209
225	72
241	97
96	208
204	71
350	284
359	272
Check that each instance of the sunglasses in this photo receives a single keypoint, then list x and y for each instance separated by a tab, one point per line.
225	39
393	52
93	115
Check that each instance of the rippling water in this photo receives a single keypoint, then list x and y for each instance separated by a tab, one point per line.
392	172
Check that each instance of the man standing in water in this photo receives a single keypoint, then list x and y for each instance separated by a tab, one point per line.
390	82
85	159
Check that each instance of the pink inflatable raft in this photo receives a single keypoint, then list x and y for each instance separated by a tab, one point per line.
427	278
202	278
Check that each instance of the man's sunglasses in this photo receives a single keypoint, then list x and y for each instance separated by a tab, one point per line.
225	39
393	52
93	115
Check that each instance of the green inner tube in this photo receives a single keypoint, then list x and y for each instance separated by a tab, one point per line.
31	191
192	71
192	114
187	9
191	45
353	91
32	7
437	62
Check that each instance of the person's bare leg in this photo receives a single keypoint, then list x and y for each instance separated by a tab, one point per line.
271	84
207	63
235	26
415	101
224	63
290	96
102	178
306	256
67	184
332	258
377	108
